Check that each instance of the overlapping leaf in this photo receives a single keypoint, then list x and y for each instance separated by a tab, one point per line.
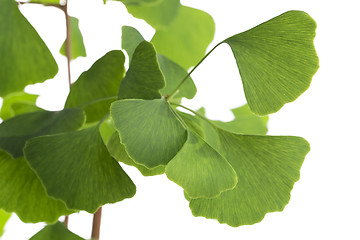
149	129
57	231
18	103
4	217
14	132
22	62
22	192
77	168
276	60
76	42
98	87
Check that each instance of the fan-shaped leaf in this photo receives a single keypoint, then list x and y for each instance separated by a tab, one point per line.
58	231
130	39
80	160
22	192
18	103
25	59
4	217
276	60
14	132
77	43
149	129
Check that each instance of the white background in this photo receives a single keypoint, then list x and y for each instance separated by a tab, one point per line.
325	203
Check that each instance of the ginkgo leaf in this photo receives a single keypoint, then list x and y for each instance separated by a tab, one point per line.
144	79
4	217
80	160
57	231
139	2
117	151
76	41
158	15
18	103
46	1
25	59
276	60
200	170
97	87
185	40
22	192
267	168
149	129
14	132
173	73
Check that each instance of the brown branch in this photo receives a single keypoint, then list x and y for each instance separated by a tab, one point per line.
66	221
44	4
95	234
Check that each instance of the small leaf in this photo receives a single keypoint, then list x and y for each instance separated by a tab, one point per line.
276	60
22	62
77	43
4	217
97	87
18	103
80	160
58	231
200	170
22	192
14	132
149	129
144	79
117	151
185	40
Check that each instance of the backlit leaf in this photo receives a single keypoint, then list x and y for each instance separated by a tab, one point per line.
22	192
276	60
14	132
77	43
25	59
57	231
80	160
4	217
149	129
18	103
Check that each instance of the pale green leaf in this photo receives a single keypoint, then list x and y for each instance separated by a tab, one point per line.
25	59
18	103
276	60
14	132
46	1
144	79
80	160
4	217
185	40
117	151
76	42
139	2
58	231
200	170
149	129
97	87
130	39
22	192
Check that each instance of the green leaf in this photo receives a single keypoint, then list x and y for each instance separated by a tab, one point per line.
185	40
58	231
276	60
46	1
77	43
172	72
266	166
22	192
4	217
117	151
159	15
149	129
25	59
97	87
14	132
80	160
18	103
144	79
139	2
200	170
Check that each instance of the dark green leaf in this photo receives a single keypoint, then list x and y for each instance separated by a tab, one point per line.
22	192
77	43
144	79
58	231
4	217
18	103
149	129
15	131
80	160
97	87
185	40
25	59
117	150
276	60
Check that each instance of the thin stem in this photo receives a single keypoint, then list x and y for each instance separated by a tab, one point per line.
68	41
95	234
66	221
192	70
